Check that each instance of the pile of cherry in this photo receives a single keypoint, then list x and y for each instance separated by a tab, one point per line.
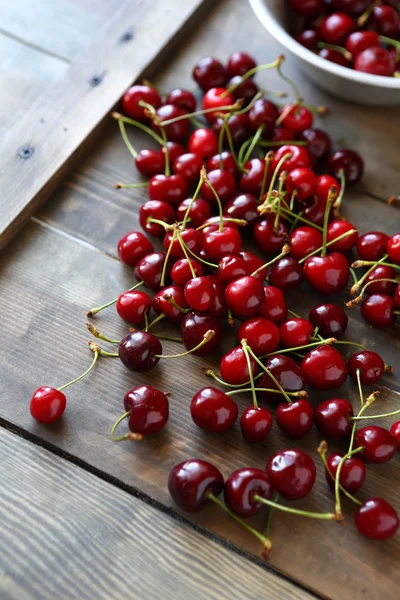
251	169
360	34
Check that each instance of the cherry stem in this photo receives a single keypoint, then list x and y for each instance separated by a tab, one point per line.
220	141
99	335
357	284
355	301
156	320
270	375
205	111
348	343
210	373
295	511
164	269
94	311
338	201
337	239
282	179
366	263
167	226
364	405
167	161
251	72
322	449
287	110
126	139
301	218
204	179
196	193
206	338
119	117
348	56
285	251
250	370
129	186
289	82
327	342
252	145
390	41
169	298
246	109
126	436
301	394
338	504
282	143
391	414
332	195
366	14
230	141
274	176
187	250
96	356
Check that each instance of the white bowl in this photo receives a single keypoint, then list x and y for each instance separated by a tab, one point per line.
340	81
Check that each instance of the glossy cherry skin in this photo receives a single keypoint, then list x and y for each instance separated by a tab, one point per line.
267	238
181	273
338	228
303	181
239	63
295	332
372	245
296	118
385	20
219	308
381	287
395	431
274	306
138	349
241	487
350	163
132	97
318	143
171	189
224	161
47	404
216	98
245	90
352	473
191	238
208	73
238	126
351	7
303	241
254	263
261	335
330	319
150	162
256	424
203	142
252	178
149	269
157	209
379	445
324	368
377	310
213	224
188	166
332	417
324	184
183	99
285	136
286	274
221	243
335	28
132	306
361	40
299	158
199	211
162	306
174	150
263	114
245	296
212	410
328	274
292	473
223	183
333	56
233	366
376	519
308	38
296	419
393	248
193	329
231	268
287	373
177	131
199	293
370	365
132	247
376	61
149	409
190	482
307	8
243	206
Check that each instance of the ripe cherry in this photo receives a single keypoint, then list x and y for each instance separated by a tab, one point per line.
193	329
332	417
303	181
295	419
361	40
286	372
238	125
274	307
308	38
334	56
307	8
286	274
256	424
174	150
352	473
241	487
379	445
135	94
393	248
327	274
335	28
244	90
372	245
267	238
304	240
150	162
149	409
171	189
377	310
324	368
239	63
234	369
132	247
296	118
263	114
177	131
384	20
47	404
223	183
295	332
183	99
349	162
161	305
254	263
138	349
376	519
191	238
224	161
156	209
132	306
252	178
376	61
261	335
203	142
231	268
381	287
219	308
324	184
370	365
243	206
395	431
149	269
199	293
208	73
199	211
338	228
318	142
212	410
181	273
217	244
190	482
216	98
330	319
292	473
245	296
299	158
188	166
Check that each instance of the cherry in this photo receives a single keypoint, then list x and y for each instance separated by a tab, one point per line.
384	20
132	306
223	183
376	61
224	161
219	307
327	274
239	63
132	247
138	349
324	368
335	28
252	178
361	40
177	131
308	38
217	244
333	56
243	206
395	431
352	7
303	181
338	228
208	73
174	150
203	142
286	372
295	332
397	296
199	293
292	473
254	263
261	335
381	287
181	273
213	224
393	248
352	473
377	310
149	269
162	306
372	245
330	319
150	162
318	142
216	97
47	404
295	419
171	189
256	424
212	410
267	238
245	296
234	369
307	8
199	211
332	417
370	365
183	99
263	114
190	482
244	90
315	209
188	166
299	158
378	444
241	487
286	274
376	519
304	240
238	127
274	307
135	94
282	135
296	117
193	329
231	268
156	209
349	162
191	238
149	409
324	184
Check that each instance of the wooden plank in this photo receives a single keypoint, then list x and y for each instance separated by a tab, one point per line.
65	533
51	280
38	151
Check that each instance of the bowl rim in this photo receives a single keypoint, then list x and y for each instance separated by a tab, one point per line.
265	16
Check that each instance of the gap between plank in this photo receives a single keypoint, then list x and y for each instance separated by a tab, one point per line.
75	460
33	46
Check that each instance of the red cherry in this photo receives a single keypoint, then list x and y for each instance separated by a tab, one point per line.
216	98
47	404
150	162
376	61
335	28
138	349
132	306
188	166
338	228
263	114
245	296
352	7
233	366
377	310
157	209
261	335
191	238
397	296
223	183
241	487
295	419
328	274
395	431
213	223
183	99
203	142
307	8
224	161
199	293
385	21
295	332
370	365
304	240
174	150
181	273
199	211
308	38
324	368
282	135
238	126
350	163
332	417
286	274
324	184
256	424
135	94
149	269
217	244
376	519
372	245
274	307
209	73
381	287
330	319
252	178
239	63
296	118
361	40
193	329
352	473
393	248
254	263
267	238
212	410
299	158
171	189
162	306
333	56
244	90
292	473
378	444
303	181
190	482
219	307
318	143
231	268
177	131
243	206
132	247
149	409
286	372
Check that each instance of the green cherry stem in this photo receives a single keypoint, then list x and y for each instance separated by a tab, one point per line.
164	269
206	338
355	301
127	436
204	179
126	139
96	352
338	504
332	195
252	145
94	311
282	143
270	375
301	218
348	56
301	394
322	450
289	82
267	549
295	511
196	193
96	333
156	320
337	239
326	342
284	252
253	71
358	283
198	113
366	263
119	117
250	370
338	202
366	14
210	373
169	298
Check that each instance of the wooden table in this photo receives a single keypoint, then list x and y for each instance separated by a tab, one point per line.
81	516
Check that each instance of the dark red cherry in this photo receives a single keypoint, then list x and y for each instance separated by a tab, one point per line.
231	268
267	238
223	183
216	98
286	372
213	224
221	243
299	158
177	131
370	365
332	417
375	61
307	8
233	366
199	211
338	228
224	161
171	189
263	114
149	269
156	209
327	274
324	184
219	307
241	487
377	310
150	162
138	349
252	178
132	306
395	431
292	473
238	126
334	56
208	73
135	94
379	446
393	248
376	519
308	38
183	99
254	263
372	245
188	166
149	409
303	181
161	305
282	135
181	272
174	150
203	142
191	238
245	296
318	142
132	247
385	21
304	240
295	419
296	118
324	368
361	40
239	63
199	293
193	329
274	307
256	424
330	319
261	335
350	163
335	28
397	296
244	207
352	7
295	332
286	274
47	404
244	90
352	473
190	482
212	410
381	287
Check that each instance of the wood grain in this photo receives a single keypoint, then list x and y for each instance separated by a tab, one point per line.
67	534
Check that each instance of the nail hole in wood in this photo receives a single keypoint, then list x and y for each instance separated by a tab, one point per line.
95	80
126	37
26	152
